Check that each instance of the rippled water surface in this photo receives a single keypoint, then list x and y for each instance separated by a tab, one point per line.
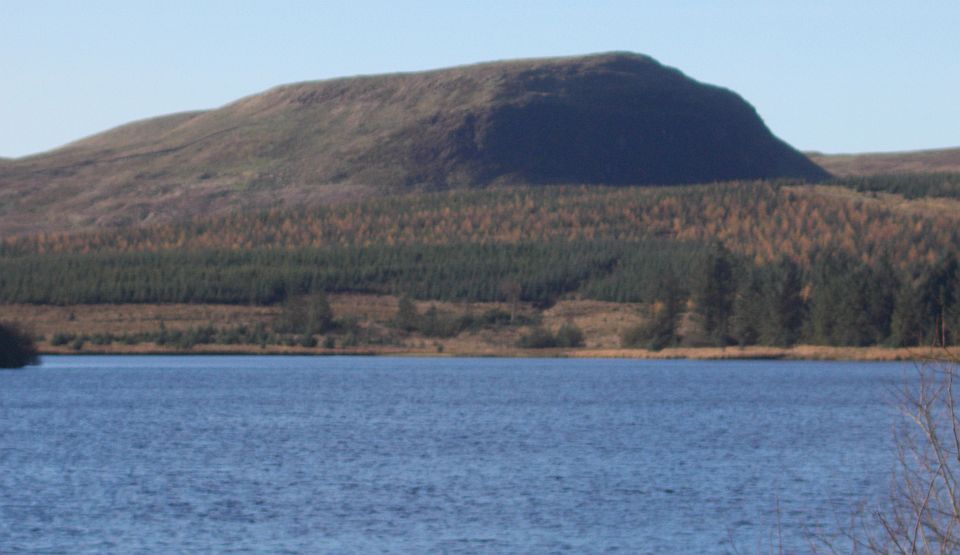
345	455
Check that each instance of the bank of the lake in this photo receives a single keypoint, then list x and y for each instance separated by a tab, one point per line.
451	349
456	349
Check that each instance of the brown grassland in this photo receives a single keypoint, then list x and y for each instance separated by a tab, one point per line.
601	322
939	160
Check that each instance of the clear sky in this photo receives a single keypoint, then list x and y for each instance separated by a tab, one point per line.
834	76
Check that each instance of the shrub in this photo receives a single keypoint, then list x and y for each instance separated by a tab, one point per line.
569	336
60	338
407	318
308	315
660	332
495	317
434	323
537	338
649	336
16	347
102	339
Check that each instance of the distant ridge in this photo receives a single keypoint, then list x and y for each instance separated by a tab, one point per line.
946	160
615	119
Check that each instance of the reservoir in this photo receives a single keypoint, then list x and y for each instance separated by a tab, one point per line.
154	454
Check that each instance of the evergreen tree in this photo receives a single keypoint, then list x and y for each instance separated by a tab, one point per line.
907	320
716	294
434	323
782	304
661	331
430	324
938	295
407	318
319	314
839	313
881	295
748	310
308	316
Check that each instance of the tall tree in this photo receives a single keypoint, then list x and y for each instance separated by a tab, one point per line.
407	318
748	309
662	330
880	295
783	304
319	314
840	312
715	295
938	293
306	315
907	319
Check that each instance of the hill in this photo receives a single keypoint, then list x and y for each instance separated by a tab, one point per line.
611	119
921	161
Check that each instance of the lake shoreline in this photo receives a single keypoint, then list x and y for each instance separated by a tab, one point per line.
799	352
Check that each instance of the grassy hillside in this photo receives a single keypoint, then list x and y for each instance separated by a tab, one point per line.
931	185
605	119
921	161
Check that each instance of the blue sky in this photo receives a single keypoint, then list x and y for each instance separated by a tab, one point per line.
838	76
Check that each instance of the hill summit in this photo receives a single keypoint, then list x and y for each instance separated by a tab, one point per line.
614	119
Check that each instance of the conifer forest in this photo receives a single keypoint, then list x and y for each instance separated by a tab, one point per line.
856	261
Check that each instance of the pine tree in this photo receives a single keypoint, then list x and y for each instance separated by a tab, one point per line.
748	310
907	319
661	331
783	306
880	293
407	318
319	314
841	312
716	294
938	294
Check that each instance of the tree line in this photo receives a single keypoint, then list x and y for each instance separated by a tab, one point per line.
537	273
763	220
837	299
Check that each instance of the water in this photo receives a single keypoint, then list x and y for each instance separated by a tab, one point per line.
404	455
